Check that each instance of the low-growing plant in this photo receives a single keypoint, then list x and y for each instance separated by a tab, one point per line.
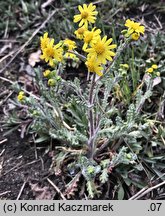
97	125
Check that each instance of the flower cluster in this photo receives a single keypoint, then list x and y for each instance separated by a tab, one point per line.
69	46
21	96
135	29
50	53
153	70
98	49
52	77
53	54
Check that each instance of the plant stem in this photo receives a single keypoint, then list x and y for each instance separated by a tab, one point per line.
82	57
91	118
94	128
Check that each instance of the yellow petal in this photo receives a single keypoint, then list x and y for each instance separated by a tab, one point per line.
80	8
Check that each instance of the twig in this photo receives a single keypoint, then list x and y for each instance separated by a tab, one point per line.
42	163
56	188
2	152
135	197
30	163
4	100
8	40
47	3
2	141
98	2
158	21
1	194
137	194
21	190
4	93
6	56
11	169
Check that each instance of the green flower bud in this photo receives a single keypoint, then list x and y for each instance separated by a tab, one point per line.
90	169
51	82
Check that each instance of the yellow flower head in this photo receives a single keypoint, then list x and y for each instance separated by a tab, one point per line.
94	66
44	41
80	32
71	56
69	45
91	37
87	14
51	82
135	36
52	52
21	96
134	27
101	50
125	66
150	70
46	73
154	66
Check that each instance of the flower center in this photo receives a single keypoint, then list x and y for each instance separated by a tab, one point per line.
99	47
135	26
84	14
88	37
50	52
81	30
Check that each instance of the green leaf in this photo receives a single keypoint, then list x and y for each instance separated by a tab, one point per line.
104	176
120	192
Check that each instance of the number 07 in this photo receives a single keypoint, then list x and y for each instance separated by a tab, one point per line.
155	206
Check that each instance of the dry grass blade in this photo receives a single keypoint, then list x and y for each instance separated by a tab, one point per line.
2	141
144	191
56	188
21	190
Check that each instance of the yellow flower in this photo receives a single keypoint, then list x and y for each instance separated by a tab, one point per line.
94	66
87	14
101	50
21	96
134	27
154	66
69	45
91	37
150	70
126	66
51	82
46	73
70	56
52	53
44	41
80	32
135	36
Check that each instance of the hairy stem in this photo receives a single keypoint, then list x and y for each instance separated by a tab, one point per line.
91	117
82	57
